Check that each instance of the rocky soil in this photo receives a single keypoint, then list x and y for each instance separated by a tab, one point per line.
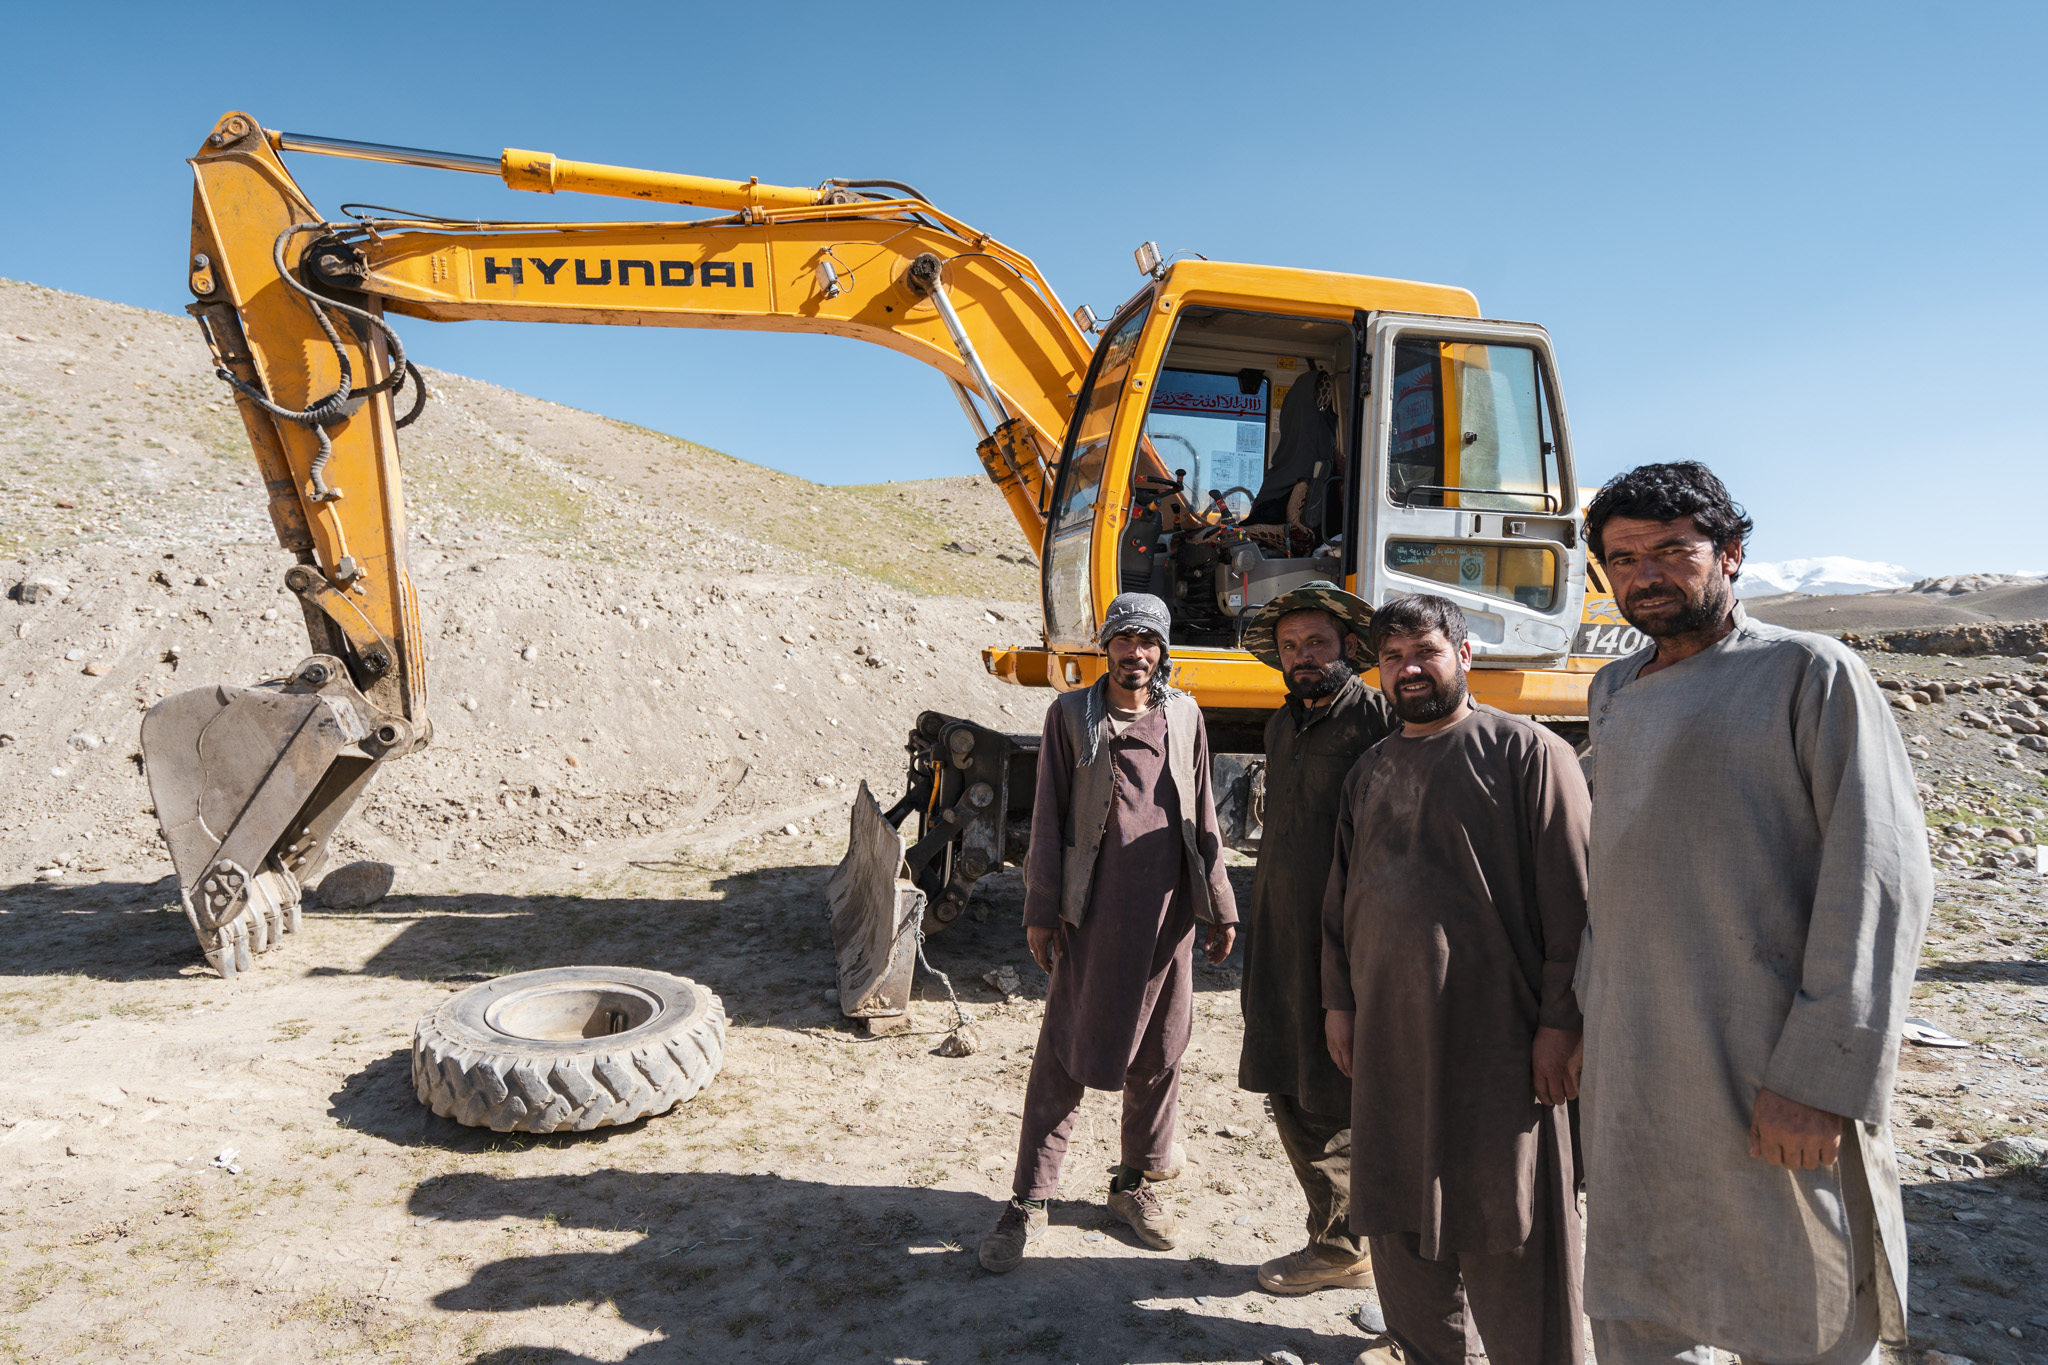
1971	1120
659	673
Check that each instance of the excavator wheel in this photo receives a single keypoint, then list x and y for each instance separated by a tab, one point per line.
568	1049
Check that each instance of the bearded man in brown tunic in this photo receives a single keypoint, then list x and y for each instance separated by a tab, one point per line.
1456	902
1313	635
1126	855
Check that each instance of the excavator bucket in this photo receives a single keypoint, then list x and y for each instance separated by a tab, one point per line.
249	783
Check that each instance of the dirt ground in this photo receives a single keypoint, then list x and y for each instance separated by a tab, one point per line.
662	784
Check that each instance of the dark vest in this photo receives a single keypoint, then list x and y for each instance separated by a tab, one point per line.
1093	791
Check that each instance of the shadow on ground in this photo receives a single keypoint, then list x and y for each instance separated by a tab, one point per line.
759	937
762	1268
2010	973
1970	1281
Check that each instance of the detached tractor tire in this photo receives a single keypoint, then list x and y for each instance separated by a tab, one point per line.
568	1049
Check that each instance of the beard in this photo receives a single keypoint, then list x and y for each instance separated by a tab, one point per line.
1134	675
1313	684
1441	700
1694	613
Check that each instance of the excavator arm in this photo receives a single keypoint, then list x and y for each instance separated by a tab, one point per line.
249	783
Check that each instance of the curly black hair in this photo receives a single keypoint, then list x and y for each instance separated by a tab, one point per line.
1665	492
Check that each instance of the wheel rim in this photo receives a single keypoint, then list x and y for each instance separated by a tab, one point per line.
562	1011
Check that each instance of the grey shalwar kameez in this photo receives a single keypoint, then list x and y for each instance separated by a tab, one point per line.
1759	886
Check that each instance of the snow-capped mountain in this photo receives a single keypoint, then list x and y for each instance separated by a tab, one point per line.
1827	574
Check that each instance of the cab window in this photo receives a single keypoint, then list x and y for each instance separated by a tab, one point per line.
1471	429
1069	607
1080	483
1211	428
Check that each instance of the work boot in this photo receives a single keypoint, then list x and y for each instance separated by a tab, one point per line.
1147	1216
1002	1249
1381	1351
1307	1270
1176	1161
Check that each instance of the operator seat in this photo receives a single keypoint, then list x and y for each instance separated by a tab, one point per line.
1289	507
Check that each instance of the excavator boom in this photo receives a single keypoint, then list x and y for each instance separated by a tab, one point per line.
249	783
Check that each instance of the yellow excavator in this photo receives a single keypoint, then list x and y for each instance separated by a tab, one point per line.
1238	430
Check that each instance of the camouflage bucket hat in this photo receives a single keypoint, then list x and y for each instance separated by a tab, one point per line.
1349	608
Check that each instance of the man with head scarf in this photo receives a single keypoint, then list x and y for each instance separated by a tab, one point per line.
1315	636
1126	855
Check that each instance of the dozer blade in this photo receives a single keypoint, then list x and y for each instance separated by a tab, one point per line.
876	911
249	783
970	788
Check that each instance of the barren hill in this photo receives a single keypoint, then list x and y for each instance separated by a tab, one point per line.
693	617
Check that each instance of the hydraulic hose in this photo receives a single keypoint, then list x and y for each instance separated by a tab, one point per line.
335	406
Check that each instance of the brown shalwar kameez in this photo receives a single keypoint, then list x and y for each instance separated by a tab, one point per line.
1456	901
1309	752
1121	1003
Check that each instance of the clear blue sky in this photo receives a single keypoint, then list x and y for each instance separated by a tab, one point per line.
1801	242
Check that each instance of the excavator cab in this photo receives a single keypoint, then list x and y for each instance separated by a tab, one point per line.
1247	451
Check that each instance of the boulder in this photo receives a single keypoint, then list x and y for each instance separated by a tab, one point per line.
2020	1150
356	886
39	589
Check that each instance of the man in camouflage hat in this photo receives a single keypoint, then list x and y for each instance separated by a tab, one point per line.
1126	855
1315	636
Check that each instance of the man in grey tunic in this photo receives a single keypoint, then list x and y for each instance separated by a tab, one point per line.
1759	887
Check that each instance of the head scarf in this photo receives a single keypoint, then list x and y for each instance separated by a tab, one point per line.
1132	611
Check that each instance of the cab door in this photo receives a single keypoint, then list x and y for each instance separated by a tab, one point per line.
1082	510
1468	489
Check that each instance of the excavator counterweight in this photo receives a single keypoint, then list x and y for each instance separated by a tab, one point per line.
1237	431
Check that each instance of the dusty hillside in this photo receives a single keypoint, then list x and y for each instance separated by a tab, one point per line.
674	650
115	430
